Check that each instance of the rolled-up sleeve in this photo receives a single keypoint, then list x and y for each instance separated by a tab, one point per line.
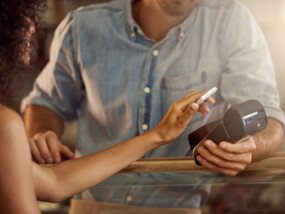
59	86
248	71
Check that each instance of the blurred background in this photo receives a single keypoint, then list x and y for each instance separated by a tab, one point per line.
270	15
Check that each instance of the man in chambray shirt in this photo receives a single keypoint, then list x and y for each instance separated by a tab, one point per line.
117	67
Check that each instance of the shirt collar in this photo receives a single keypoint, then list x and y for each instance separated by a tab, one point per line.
181	29
132	26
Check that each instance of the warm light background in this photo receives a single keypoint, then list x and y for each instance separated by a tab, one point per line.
270	15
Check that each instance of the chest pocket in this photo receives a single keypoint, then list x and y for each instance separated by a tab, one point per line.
174	88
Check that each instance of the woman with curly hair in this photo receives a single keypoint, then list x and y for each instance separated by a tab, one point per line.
22	181
18	20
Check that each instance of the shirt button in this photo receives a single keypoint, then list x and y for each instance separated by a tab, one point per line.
129	198
144	127
146	90
133	35
155	52
181	34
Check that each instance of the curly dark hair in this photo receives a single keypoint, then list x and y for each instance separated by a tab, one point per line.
16	17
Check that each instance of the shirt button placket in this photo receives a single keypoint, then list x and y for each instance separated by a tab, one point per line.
133	35
147	90
129	198
155	52
144	127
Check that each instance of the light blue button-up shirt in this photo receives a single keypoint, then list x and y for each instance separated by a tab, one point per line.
105	73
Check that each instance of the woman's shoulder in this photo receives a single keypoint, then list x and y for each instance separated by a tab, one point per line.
9	118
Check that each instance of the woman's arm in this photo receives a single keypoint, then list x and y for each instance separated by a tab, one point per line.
73	176
67	178
17	193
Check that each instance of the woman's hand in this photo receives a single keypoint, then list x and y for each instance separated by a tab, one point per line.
178	116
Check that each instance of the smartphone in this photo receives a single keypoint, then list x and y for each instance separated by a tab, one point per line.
206	95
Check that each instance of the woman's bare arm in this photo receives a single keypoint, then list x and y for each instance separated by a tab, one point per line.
67	178
17	193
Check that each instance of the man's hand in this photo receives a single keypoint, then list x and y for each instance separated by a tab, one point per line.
227	158
43	128
47	148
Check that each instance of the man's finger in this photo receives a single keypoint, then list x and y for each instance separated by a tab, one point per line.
44	150
66	152
54	147
217	161
241	147
229	156
215	168
35	152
